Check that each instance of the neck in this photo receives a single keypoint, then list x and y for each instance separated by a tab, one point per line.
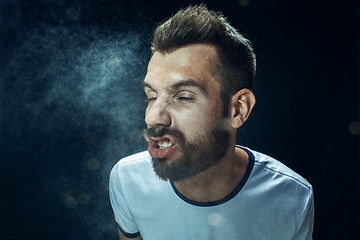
218	181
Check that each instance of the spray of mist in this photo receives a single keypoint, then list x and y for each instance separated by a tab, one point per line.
76	96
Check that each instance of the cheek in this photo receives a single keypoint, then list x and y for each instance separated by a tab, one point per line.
198	122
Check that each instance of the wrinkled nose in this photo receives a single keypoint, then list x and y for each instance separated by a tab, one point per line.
156	114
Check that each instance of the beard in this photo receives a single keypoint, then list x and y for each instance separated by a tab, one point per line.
198	155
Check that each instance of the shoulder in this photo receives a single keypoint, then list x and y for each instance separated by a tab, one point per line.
137	158
268	167
281	192
274	180
133	161
132	166
133	177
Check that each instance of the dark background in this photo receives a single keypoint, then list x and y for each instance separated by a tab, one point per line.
71	105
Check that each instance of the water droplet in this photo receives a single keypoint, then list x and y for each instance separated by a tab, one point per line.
214	219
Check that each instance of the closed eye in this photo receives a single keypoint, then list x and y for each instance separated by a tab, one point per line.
184	96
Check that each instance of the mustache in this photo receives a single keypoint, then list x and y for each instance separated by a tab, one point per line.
161	131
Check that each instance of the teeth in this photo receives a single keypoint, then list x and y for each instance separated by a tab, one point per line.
164	144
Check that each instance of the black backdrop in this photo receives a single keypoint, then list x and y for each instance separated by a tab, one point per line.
71	105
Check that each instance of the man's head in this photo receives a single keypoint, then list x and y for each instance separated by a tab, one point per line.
235	64
194	108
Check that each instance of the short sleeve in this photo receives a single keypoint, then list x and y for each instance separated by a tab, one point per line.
120	205
306	223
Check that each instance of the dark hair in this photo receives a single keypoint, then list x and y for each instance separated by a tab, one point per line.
236	63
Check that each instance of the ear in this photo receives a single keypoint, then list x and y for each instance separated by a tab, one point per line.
241	105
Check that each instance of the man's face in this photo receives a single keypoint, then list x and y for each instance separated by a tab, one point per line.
186	132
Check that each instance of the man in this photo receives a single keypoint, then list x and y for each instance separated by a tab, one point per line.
194	182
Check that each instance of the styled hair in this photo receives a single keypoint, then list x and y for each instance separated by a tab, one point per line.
236	63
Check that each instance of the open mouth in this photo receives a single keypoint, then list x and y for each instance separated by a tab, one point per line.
160	147
164	144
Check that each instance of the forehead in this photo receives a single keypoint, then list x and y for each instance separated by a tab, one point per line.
190	62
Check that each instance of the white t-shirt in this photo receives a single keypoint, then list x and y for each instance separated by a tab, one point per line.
270	202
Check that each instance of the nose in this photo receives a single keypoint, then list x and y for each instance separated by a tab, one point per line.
157	114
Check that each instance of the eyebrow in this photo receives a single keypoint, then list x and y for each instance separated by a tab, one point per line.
186	82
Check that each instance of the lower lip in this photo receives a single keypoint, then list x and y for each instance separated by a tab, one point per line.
158	152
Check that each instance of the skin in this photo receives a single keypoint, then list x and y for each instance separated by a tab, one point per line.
194	109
